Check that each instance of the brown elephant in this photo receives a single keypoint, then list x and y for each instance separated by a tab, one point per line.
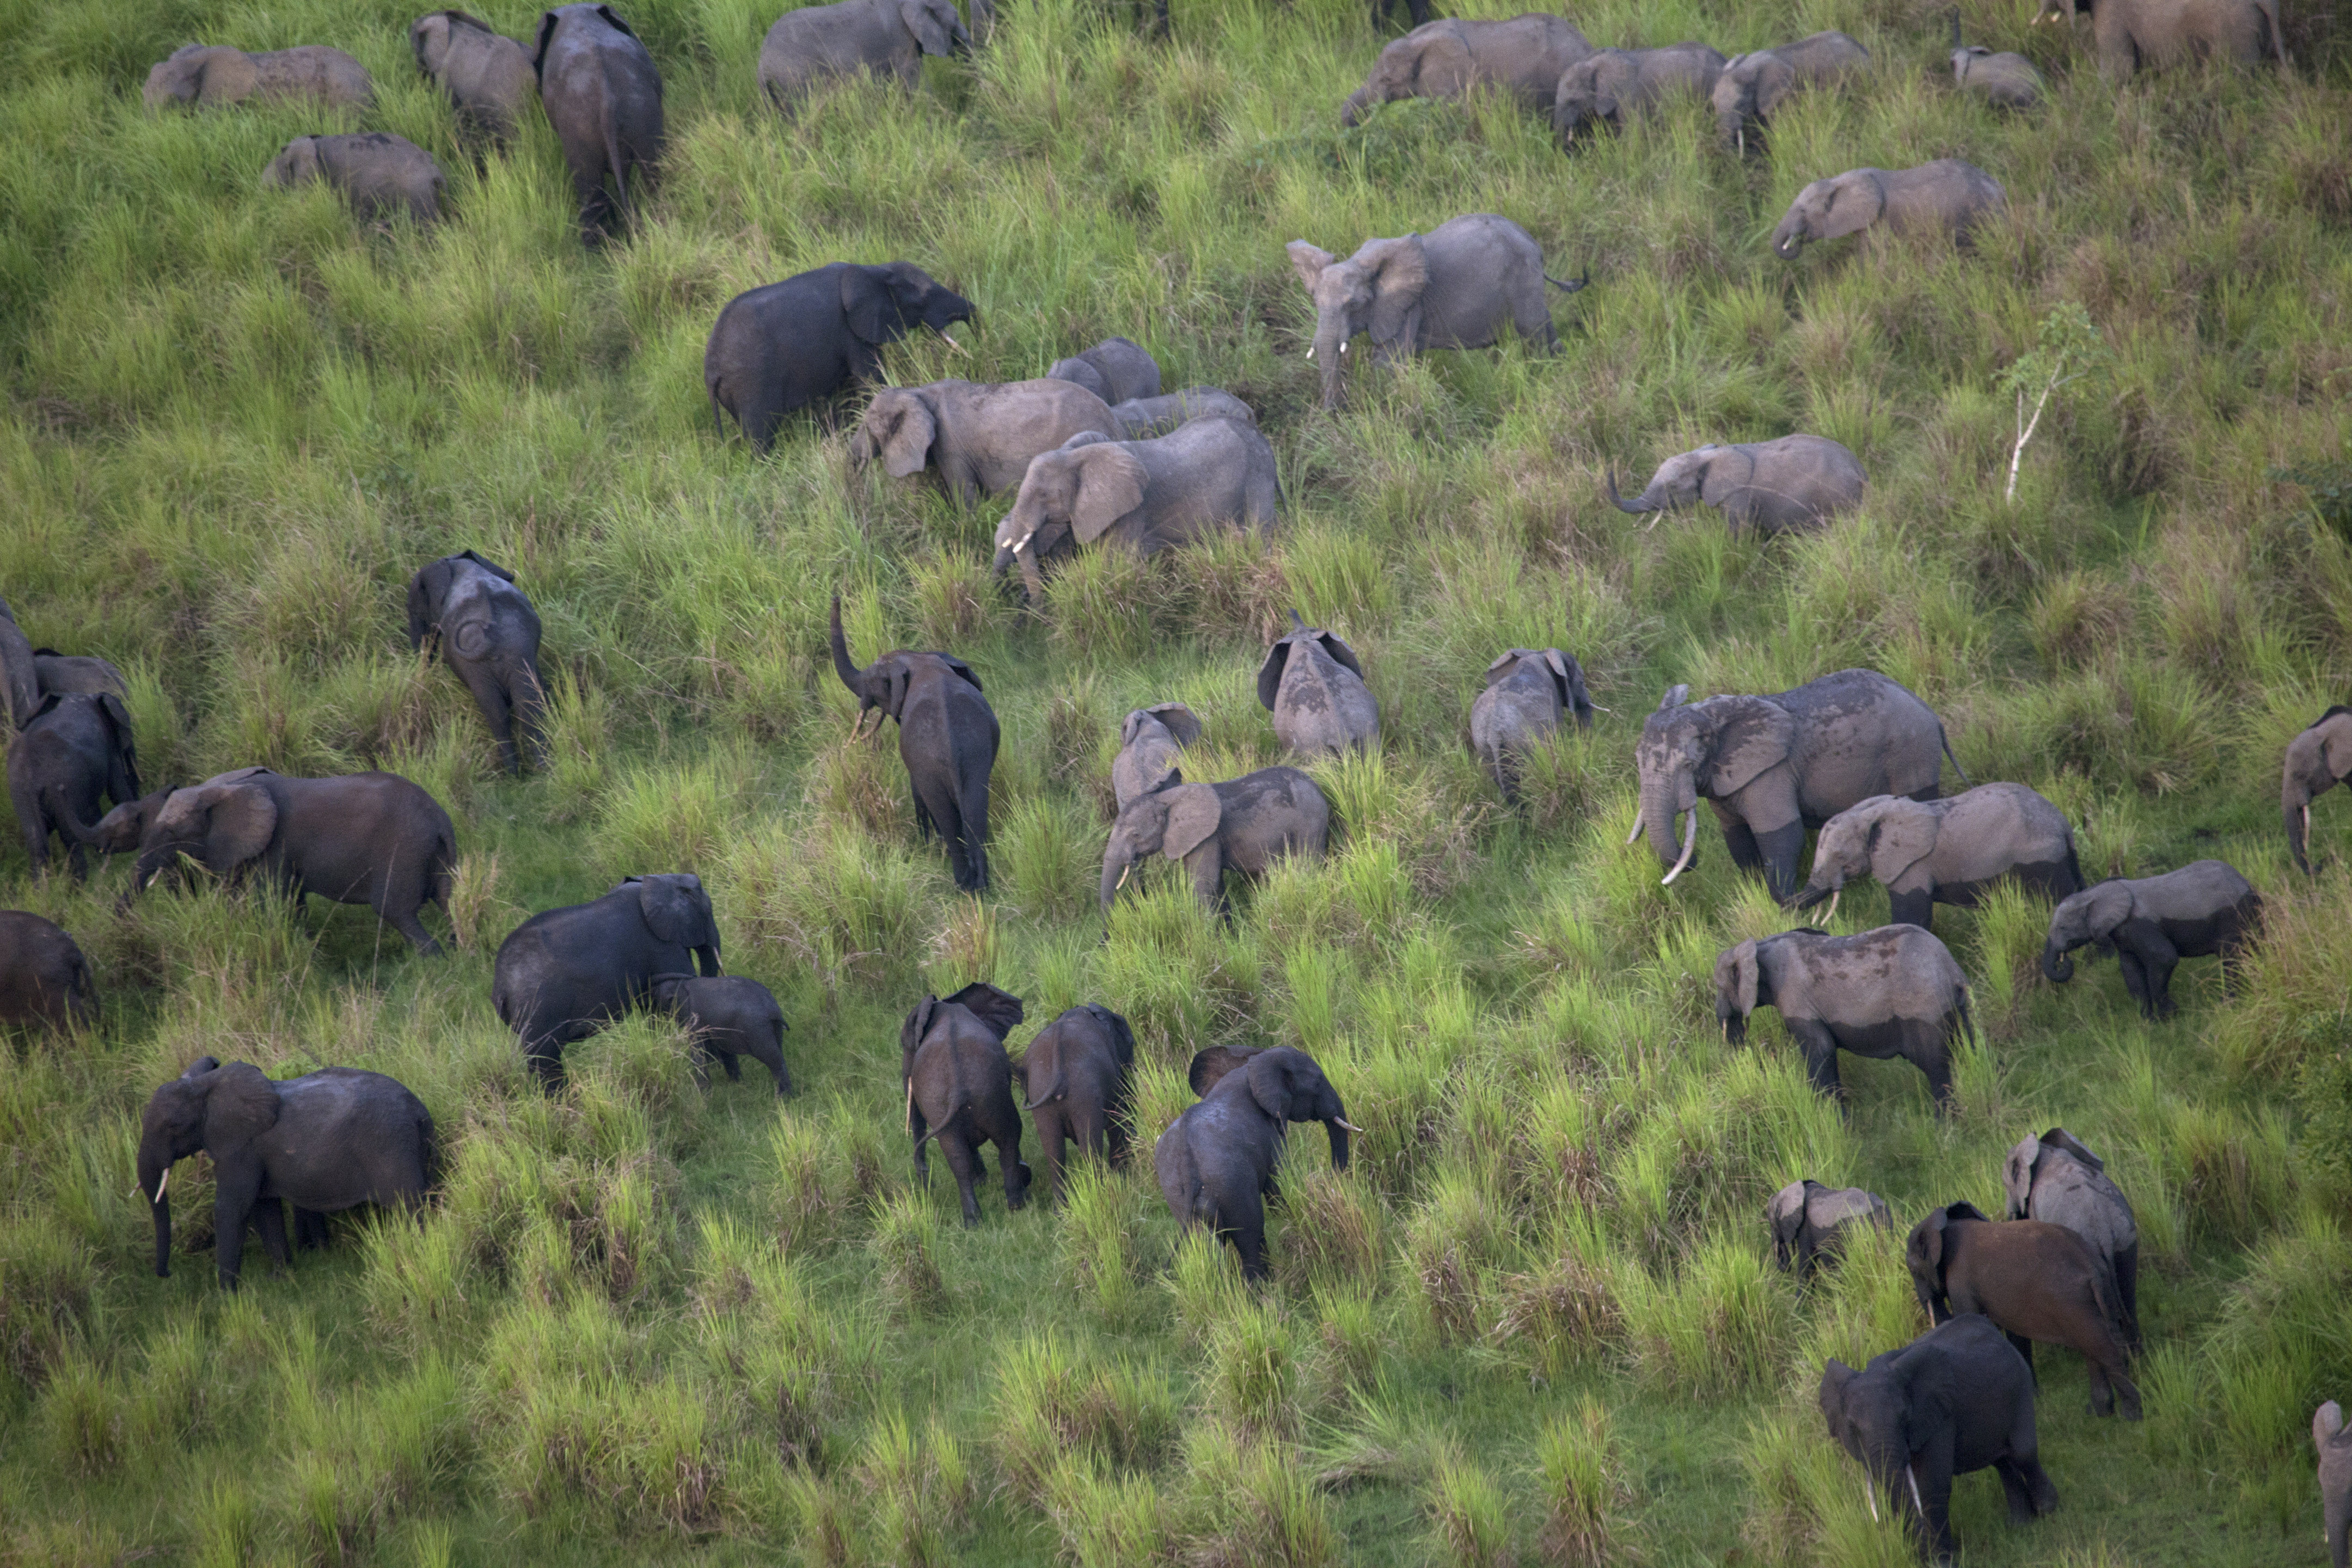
43	978
2035	1282
215	75
1076	1075
2317	762
958	1084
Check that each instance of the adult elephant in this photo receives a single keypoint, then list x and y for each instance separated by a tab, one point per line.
1447	58
360	838
76	750
485	628
1774	766
1752	87
1949	851
1243	825
1529	695
1139	417
948	738
2205	909
1894	991
2130	34
1607	87
83	673
1313	684
2054	1178
1947	196
2035	1282
1808	1220
958	1084
43	978
489	76
1075	1075
803	340
2318	760
974	438
211	75
1790	485
603	96
566	972
817	44
1151	740
1117	370
379	175
328	1140
1219	1161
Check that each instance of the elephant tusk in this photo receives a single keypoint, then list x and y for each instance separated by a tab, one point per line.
1343	345
1690	847
953	345
1311	351
1743	140
1637	827
910	1107
1915	1494
1871	1498
1124	873
1024	541
162	1181
1351	1126
1831	918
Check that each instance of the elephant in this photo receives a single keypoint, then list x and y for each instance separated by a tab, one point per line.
1955	1399
83	673
1948	851
1240	826
488	76
1527	695
2130	34
1894	991
1774	766
1314	686
1075	1075
20	678
1806	1219
476	618
1141	496
1792	484
43	978
1452	287
2034	1281
77	748
1613	84
1117	370
378	174
1138	418
2334	1446
975	437
2054	1178
564	973
948	738
1447	58
958	1084
2202	910
1752	87
328	1140
1218	1163
2316	760
2006	80
803	340
818	44
603	96
1946	196
1148	739
730	1016
209	76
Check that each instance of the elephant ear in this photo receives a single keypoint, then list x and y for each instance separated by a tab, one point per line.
1931	1239
959	669
1786	1212
1181	722
1727	472
1269	674
425	590
907	449
1194	812
1210	1067
1856	201
930	35
1444	67
1274	1082
2106	905
911	1032
240	818
1000	1010
1399	272
1504	662
612	18
1110	485
1341	653
1836	1377
867	307
1122	1037
487	564
1744	971
1756	735
1902	837
1774	78
1309	261
1931	1396
544	35
2336	746
675	910
2059	1138
240	1105
1568	680
2017	1175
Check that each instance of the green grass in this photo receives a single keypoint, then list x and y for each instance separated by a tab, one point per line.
1535	1321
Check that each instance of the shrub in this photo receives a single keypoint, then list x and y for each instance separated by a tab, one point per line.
1586	1496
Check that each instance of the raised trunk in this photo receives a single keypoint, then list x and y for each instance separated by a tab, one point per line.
1638	508
843	665
2056	967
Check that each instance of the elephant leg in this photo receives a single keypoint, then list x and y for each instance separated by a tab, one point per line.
916	1127
2103	1393
269	1218
964	1162
1247	1230
1814	1037
546	1060
770	1055
2038	1484
2014	1489
2135	980
309	1230
1738	839
1780	848
497	712
1050	1134
1929	1046
236	1186
734	1069
2019	1343
972	827
1016	1172
2127	1293
2108	1368
1206	867
406	922
1914	908
527	695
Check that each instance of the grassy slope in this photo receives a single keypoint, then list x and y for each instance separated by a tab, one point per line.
236	425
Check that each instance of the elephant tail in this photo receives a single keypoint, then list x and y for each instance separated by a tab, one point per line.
1570	288
620	173
1946	742
2073	863
956	1106
428	1151
440	869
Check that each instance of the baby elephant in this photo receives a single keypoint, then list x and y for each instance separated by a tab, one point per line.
2334	1446
1117	370
379	173
1527	696
1946	851
2202	910
1807	1216
1751	88
1946	196
731	1017
1314	687
1893	992
960	1089
1771	487
1217	1162
1139	417
1149	741
2035	1282
977	438
2010	81
43	978
2054	1178
212	76
1609	86
487	76
1075	1075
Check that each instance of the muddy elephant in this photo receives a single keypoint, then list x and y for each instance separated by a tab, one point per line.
1117	370
209	76
805	340
1453	288
1751	88
2035	1282
1221	1159
1946	196
958	1084
2334	1446
1075	1078
1139	418
1523	55
1529	693
2130	34
1774	766
1892	993
1611	85
888	39
2054	1178
975	438
1314	686
729	1016
379	175
1149	741
1808	1218
603	96
2318	760
1789	485
1948	851
469	608
564	973
948	737
2203	910
1241	825
488	76
2005	80
45	980
76	750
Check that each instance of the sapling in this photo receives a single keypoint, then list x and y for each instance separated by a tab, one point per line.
2068	350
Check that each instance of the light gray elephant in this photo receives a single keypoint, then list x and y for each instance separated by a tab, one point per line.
379	173
486	75
1806	1219
1946	196
817	44
1140	417
2134	33
209	76
1614	83
1774	766
2317	762
2009	82
1312	684
1946	851
2053	1178
1241	825
1149	741
975	437
2334	1446
1447	58
1794	483
1751	88
1529	694
2204	908
1891	992
1453	288
1117	370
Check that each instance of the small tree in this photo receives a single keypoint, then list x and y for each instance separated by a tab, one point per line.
2068	350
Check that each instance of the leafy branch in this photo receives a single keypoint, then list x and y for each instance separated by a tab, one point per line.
2068	350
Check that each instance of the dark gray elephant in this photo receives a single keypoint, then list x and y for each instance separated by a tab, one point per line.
1607	87
808	337
948	738
817	44
1958	1398
2318	760
485	628
378	174
1243	825
1529	695
603	96
1774	766
1752	87
2006	80
1150	740
209	76
488	76
1888	993
1074	1075
2205	909
1221	1159
564	973
958	1084
1117	370
1139	418
45	981
2334	1446
2035	1282
1807	1218
1448	59
84	673
975	437
1792	484
328	1140
1948	851
730	1016
1453	288
2055	1179
20	679
1946	196
1314	686
76	750
2130	34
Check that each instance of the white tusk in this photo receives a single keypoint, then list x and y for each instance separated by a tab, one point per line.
1637	828
1311	351
1743	139
910	1107
1351	1126
1915	1494
162	1181
1024	541
1690	847
1831	918
1871	1498
953	345
1343	345
1125	872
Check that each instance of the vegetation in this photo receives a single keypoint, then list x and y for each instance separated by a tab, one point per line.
1537	1321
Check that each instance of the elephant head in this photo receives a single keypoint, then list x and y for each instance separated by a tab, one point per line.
429	591
2089	916
1829	210
2316	760
125	828
1076	490
1277	658
881	304
935	26
223	825
296	164
20	681
679	913
1751	88
1874	1419
1566	674
1923	1254
899	427
1739	989
1709	474
882	686
2024	1162
1786	1215
1377	291
1173	821
219	1110
1149	741
1714	748
195	73
429	37
1285	1084
1882	837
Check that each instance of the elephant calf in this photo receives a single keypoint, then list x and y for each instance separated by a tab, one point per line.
730	1016
2334	1446
817	44
1218	1162
958	1084
379	175
1946	196
1139	418
1523	55
1527	696
1794	483
2035	1282
975	437
1075	1075
1613	84
213	75
2318	760
469	607
1806	1219
1243	825
1149	741
488	77
2054	1178
1949	851
1893	992
2203	910
74	750
2010	81
1313	684
1751	88
1117	370
43	978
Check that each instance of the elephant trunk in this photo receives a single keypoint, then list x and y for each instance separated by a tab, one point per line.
2056	967
1734	1022
1004	561
1638	507
1353	109
152	864
1660	807
2295	806
705	958
1812	893
1116	864
843	665
1337	1128
1330	348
